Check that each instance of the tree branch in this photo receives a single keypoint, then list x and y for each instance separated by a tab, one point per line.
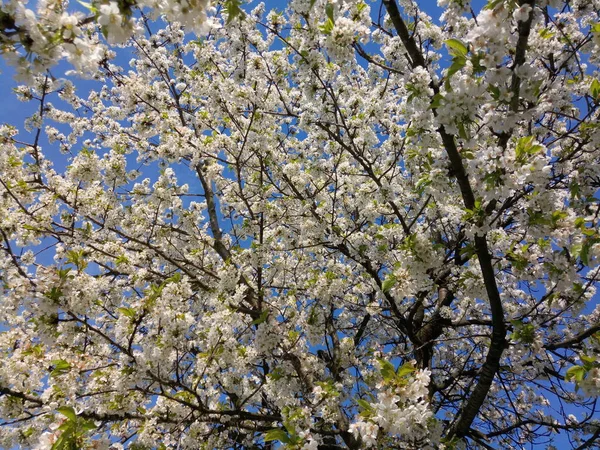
574	340
492	362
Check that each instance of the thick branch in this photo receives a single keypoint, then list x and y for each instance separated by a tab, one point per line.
24	397
409	43
524	29
492	362
211	208
574	340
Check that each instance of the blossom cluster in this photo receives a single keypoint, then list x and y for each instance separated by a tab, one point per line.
400	411
34	40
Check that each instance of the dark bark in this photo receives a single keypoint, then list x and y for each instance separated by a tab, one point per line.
472	406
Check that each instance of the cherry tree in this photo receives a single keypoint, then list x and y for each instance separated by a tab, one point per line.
340	225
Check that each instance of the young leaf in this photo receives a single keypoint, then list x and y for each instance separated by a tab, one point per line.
262	318
232	7
129	312
66	440
364	404
576	373
387	369
86	425
389	283
329	12
60	367
595	89
493	4
456	48
68	412
277	435
327	27
457	63
436	101
406	369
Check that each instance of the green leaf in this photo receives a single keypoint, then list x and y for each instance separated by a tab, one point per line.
60	367
129	312
462	131
364	404
387	369
493	4
89	6
276	374
262	318
86	425
63	273
277	435
233	10
478	68
175	278
389	283
436	101
494	91
77	258
327	27
545	33
185	395
312	316
595	89
526	147
406	369
66	441
588	231
456	47
584	255
576	373
586	358
525	334
452	443
54	294
122	259
35	350
458	63
517	261
68	412
366	410
329	12
589	362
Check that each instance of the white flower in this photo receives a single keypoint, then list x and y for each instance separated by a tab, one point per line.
46	441
366	431
521	14
70	25
110	15
112	21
